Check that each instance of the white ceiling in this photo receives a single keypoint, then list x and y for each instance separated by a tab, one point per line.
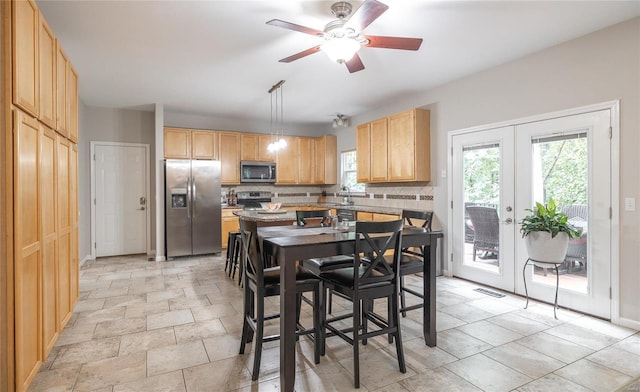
219	58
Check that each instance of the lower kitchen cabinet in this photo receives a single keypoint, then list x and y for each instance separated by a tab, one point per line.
230	223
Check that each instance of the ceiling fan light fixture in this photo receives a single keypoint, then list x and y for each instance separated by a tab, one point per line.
340	50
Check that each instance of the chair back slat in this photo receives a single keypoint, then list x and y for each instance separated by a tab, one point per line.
373	239
320	217
425	216
251	255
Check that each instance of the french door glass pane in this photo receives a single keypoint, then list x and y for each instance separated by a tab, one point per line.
560	172
481	189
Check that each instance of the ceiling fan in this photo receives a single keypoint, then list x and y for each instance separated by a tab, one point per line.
342	37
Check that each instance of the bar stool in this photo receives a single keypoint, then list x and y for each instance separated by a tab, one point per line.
234	244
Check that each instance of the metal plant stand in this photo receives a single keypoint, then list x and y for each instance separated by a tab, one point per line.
524	277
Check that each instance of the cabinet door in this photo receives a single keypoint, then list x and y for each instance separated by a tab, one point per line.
204	145
249	148
264	155
47	74
49	236
306	160
287	169
402	146
319	159
177	143
230	223
74	278
72	103
64	230
378	217
61	91
230	157
27	268
378	157
364	216
25	56
363	152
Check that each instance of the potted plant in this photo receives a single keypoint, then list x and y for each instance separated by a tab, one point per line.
547	232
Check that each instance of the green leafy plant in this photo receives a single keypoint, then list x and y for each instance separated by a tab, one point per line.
547	218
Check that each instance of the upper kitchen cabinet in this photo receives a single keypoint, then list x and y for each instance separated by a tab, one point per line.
379	148
409	146
371	151
306	160
72	103
62	118
182	143
255	148
229	155
47	74
264	155
326	159
66	96
177	143
249	147
26	73
287	162
395	148
204	145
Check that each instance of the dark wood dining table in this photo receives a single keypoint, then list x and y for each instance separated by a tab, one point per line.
287	244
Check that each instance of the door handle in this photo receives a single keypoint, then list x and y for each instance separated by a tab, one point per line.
140	209
508	221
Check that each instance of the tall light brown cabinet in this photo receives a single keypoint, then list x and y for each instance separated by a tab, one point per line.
39	192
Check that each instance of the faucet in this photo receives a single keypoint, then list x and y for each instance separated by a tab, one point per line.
346	200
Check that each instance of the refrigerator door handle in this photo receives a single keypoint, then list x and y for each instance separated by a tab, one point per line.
193	185
189	198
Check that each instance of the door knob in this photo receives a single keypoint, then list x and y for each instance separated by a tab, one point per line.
508	221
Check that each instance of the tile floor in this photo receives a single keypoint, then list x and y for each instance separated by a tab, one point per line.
175	326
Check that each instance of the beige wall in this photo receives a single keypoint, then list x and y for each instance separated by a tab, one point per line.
598	67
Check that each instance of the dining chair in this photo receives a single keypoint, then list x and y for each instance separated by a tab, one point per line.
412	259
318	266
369	277
260	283
313	217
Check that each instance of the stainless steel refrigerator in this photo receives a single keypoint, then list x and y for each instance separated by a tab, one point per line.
192	196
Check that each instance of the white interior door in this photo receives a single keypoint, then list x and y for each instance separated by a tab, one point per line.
584	191
120	198
483	217
505	171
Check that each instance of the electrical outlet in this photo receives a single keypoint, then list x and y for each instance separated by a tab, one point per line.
417	197
384	196
308	194
444	174
371	196
275	194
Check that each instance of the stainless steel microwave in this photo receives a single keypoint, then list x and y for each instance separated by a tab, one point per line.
257	171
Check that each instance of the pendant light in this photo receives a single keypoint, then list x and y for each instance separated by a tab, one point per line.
276	92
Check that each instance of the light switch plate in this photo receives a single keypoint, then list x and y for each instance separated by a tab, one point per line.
629	203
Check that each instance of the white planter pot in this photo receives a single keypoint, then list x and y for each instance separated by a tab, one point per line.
542	248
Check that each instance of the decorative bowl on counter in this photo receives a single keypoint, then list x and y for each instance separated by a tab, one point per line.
270	206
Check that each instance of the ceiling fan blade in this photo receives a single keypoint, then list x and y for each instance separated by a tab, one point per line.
355	64
300	55
365	15
376	41
295	27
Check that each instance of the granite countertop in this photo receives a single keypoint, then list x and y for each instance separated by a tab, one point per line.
290	214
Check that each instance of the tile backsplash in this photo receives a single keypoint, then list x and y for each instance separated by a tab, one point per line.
415	196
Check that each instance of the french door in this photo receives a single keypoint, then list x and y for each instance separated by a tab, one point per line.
498	173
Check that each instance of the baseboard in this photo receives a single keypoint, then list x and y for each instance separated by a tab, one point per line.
86	258
628	323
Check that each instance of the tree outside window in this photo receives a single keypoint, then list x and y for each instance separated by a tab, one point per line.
348	169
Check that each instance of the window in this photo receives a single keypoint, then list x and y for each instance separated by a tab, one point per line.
349	171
